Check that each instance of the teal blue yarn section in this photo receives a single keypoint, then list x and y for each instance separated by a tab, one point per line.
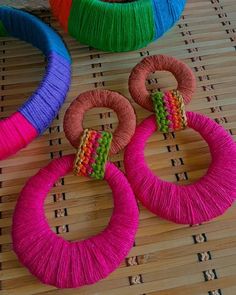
32	30
166	14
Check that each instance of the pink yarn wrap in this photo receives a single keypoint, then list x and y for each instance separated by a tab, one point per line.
62	263
195	203
15	133
181	71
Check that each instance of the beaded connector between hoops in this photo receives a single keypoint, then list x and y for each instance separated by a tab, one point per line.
92	154
170	111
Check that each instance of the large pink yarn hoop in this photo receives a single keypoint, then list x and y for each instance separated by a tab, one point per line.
65	264
195	203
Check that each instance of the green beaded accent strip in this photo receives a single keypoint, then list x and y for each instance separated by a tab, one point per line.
3	32
102	155
161	112
92	153
170	111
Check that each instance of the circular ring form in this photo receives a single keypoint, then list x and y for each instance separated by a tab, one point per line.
65	264
73	120
36	114
182	73
195	203
117	26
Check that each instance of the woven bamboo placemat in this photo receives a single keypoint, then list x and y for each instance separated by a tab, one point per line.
26	4
167	259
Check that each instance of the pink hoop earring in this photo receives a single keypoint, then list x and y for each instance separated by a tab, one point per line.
49	257
195	203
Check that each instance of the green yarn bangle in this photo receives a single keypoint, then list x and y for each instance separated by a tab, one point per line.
3	31
112	26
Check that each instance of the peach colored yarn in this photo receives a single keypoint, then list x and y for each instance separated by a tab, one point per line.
183	74
73	120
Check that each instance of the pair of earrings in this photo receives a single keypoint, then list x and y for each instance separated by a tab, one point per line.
211	195
67	264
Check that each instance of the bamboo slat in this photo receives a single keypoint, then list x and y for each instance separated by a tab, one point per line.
167	259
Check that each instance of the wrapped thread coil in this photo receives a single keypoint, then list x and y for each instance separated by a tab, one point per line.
71	264
117	26
38	111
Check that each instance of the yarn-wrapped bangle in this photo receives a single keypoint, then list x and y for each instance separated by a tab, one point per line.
65	264
52	259
195	203
35	115
114	26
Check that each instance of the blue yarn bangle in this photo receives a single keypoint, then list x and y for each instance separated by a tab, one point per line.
43	105
166	14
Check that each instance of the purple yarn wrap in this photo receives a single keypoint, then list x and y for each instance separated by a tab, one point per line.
43	105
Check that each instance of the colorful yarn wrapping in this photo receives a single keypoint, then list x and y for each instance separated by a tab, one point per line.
92	154
101	98
36	114
117	26
3	32
183	74
170	111
194	203
65	264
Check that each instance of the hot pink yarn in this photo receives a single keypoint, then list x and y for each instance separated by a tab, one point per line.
15	133
201	201
67	264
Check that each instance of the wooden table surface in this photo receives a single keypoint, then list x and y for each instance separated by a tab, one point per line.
167	259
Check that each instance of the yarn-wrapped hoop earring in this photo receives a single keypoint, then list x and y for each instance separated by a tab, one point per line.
49	257
194	203
117	27
101	98
36	114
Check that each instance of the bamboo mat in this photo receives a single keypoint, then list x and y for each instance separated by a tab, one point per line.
167	259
